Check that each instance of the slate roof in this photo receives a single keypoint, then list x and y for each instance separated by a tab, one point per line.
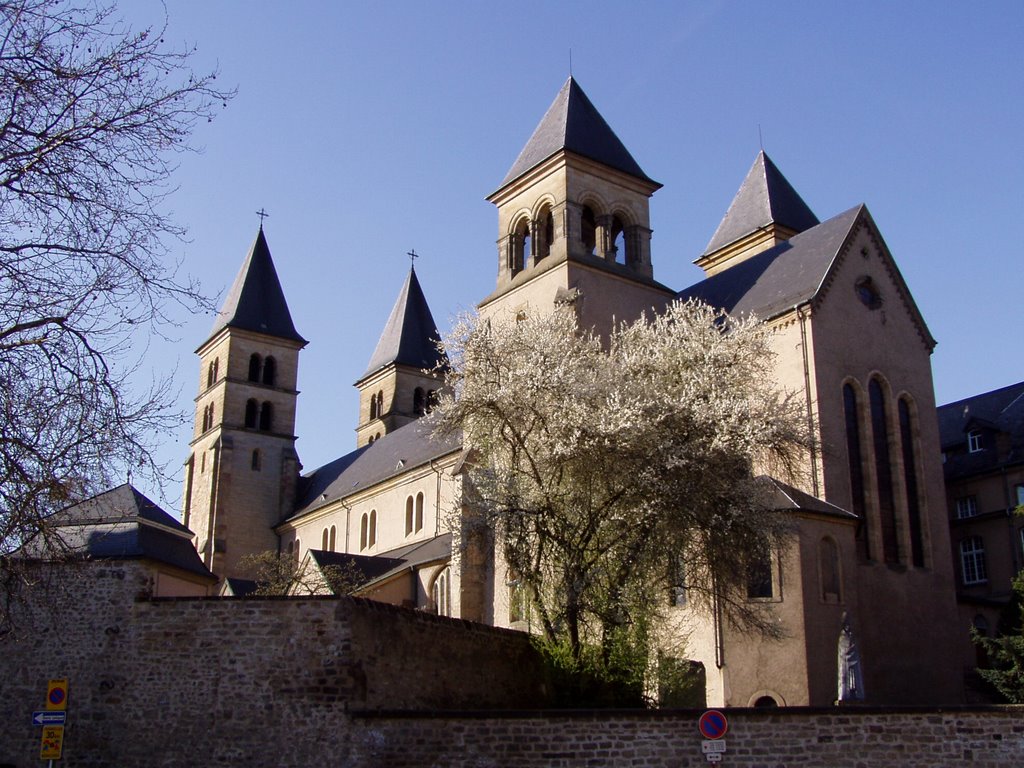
1000	410
410	446
774	281
385	565
573	123
123	523
256	301
410	336
786	497
765	197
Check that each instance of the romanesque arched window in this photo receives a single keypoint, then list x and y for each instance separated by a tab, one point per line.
373	407
408	515
883	472
380	404
256	463
371	537
419	401
333	539
298	549
211	373
588	229
323	540
254	367
855	458
269	371
521	245
251	414
364	524
759	573
618	241
908	438
441	593
266	417
828	568
419	512
546	235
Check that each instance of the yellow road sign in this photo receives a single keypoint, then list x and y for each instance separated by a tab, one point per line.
53	741
57	694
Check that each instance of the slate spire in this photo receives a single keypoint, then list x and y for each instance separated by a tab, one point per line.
765	198
410	336
573	123
256	301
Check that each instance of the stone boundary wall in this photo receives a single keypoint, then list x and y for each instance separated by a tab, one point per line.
991	737
317	681
215	681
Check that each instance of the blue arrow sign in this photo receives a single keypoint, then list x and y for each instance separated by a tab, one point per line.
49	718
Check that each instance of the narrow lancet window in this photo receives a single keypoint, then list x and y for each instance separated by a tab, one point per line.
883	471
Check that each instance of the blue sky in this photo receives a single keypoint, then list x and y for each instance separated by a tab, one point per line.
367	129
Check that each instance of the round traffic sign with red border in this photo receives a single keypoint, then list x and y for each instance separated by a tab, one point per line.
713	724
57	695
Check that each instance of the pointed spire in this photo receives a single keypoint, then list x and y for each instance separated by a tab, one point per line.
765	198
573	123
410	336
256	301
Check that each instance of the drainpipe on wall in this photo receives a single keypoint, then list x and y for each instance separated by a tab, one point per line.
437	498
348	520
802	318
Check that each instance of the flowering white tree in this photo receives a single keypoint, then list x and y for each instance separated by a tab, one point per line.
607	467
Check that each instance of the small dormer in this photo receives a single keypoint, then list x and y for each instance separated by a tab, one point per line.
765	212
574	193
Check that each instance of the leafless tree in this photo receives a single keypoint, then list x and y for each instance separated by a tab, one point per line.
92	117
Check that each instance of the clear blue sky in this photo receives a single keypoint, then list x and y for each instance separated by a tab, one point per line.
367	129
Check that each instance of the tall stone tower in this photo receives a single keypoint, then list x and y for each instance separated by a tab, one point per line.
574	222
241	474
396	387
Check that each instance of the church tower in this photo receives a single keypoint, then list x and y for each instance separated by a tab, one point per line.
574	222
765	212
395	389
241	473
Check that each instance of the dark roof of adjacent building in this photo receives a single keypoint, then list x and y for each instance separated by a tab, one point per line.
573	123
765	197
124	523
256	301
374	568
410	446
998	411
410	336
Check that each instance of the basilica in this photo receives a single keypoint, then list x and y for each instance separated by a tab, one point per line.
868	562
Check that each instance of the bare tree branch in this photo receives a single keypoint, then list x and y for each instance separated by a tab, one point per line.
92	117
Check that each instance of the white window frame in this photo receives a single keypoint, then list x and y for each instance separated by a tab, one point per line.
966	506
974	441
972	561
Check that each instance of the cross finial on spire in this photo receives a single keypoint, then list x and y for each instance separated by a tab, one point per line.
412	257
262	213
